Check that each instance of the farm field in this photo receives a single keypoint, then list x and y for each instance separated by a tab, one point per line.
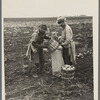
21	86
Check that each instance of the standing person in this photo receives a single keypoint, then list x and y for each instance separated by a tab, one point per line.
36	45
66	41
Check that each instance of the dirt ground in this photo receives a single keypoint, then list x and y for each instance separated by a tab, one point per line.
21	86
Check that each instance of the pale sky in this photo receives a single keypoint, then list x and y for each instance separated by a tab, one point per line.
47	8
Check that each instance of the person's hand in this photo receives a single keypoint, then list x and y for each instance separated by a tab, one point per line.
59	38
59	47
45	46
62	43
45	50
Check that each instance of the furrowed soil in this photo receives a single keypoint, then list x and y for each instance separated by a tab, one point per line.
23	86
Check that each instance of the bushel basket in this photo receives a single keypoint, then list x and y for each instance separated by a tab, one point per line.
52	45
67	72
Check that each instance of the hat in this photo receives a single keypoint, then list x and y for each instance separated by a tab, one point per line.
61	19
43	27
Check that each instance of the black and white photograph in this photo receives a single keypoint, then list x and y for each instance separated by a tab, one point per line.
49	49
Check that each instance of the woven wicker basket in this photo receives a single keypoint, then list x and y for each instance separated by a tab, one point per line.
67	72
52	45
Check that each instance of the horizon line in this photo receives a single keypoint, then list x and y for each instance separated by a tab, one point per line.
52	16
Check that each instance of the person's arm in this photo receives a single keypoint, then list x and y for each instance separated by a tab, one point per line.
38	45
69	36
47	37
34	39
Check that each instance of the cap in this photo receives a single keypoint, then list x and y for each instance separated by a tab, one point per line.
61	19
43	27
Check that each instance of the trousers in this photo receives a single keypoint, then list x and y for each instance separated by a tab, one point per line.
66	56
41	58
